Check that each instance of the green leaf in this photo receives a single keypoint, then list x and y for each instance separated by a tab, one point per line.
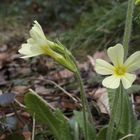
123	118
137	131
75	127
125	111
133	89
102	134
91	129
57	122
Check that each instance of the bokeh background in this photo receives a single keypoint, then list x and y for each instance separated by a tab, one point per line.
87	25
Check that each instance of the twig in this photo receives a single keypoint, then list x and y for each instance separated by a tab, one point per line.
33	128
129	135
48	104
62	89
20	104
10	114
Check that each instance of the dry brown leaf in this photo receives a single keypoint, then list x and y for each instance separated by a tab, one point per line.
97	55
2	137
20	91
101	97
4	58
84	66
27	135
25	114
68	105
41	90
65	73
137	99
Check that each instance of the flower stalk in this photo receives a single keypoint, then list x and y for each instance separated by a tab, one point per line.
83	99
86	109
38	44
128	26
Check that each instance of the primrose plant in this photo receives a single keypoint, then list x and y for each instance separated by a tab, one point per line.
120	71
123	124
38	44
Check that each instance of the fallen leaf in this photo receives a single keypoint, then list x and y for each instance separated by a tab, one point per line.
97	55
41	90
4	58
101	97
20	90
65	73
27	135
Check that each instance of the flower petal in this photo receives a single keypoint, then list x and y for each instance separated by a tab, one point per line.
127	80
112	82
116	54
36	32
102	67
133	62
29	51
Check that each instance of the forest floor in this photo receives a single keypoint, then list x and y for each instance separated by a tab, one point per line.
55	84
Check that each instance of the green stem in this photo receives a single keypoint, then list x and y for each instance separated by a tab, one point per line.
86	108
110	131
83	98
121	105
128	26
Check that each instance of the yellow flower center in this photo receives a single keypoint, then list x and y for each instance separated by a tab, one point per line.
120	71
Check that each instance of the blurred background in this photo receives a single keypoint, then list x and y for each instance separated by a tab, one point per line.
81	25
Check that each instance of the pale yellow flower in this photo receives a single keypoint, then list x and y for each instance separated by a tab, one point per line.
120	71
38	44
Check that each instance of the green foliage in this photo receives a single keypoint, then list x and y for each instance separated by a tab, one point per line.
98	26
124	120
91	129
101	27
56	120
133	89
137	131
102	133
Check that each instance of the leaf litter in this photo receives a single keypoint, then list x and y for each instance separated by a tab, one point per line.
55	84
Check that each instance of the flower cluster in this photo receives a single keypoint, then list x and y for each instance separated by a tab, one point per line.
38	44
120	71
